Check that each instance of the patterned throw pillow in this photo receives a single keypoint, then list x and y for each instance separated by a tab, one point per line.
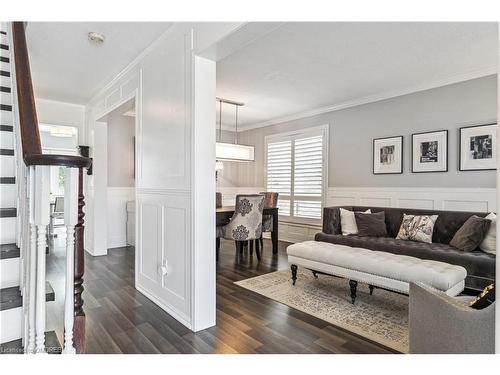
417	228
486	298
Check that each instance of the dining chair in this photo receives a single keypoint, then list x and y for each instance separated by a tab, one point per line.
246	223
270	201
218	199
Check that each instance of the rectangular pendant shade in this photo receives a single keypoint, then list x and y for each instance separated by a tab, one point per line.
234	152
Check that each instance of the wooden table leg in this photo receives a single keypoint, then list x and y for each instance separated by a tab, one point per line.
274	233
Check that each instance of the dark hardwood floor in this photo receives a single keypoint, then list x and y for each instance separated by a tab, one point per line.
122	320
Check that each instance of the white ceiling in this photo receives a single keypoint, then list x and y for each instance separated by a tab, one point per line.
302	67
66	66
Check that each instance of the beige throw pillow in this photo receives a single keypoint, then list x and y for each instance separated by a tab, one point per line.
348	221
417	228
489	243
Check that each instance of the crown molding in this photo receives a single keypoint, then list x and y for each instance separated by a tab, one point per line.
376	97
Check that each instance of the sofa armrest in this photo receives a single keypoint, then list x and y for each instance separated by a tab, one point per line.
331	219
439	323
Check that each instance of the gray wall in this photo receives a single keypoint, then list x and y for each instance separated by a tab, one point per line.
121	131
352	131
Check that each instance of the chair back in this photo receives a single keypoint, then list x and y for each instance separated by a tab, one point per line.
270	199
59	205
246	223
218	199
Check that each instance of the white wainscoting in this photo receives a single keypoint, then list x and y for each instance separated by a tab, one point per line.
452	199
117	215
163	256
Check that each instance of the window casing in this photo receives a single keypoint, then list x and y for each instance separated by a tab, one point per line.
296	168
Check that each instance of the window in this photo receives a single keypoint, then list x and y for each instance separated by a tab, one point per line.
296	169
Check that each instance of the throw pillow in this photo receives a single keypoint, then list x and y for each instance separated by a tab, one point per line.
471	233
417	228
486	298
348	222
489	243
371	225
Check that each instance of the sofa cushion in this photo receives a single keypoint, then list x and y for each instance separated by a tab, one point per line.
371	224
471	234
475	262
417	228
489	244
348	222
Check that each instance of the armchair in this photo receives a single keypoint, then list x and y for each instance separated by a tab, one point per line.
442	324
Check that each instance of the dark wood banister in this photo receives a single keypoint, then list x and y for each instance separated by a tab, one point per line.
33	155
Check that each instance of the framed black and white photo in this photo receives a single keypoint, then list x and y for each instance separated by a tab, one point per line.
429	151
478	147
388	155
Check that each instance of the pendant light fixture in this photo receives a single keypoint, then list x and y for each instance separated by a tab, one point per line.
232	151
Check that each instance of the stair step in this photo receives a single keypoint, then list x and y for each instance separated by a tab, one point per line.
4	46
10	298
8	212
5	89
6	152
7	180
5	107
52	345
9	250
4	59
3	73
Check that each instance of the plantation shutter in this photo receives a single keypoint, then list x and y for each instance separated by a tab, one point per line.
295	169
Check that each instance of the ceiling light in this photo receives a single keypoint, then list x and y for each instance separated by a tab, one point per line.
232	151
96	38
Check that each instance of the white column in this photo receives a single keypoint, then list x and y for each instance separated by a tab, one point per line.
41	219
70	220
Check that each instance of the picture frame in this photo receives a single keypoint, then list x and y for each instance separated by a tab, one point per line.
388	155
477	147
429	151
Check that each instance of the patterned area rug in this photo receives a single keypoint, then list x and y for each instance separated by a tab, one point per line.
381	317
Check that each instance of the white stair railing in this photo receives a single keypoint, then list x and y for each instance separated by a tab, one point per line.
33	203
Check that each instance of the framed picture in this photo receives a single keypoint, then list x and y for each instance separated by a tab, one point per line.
478	148
429	152
388	155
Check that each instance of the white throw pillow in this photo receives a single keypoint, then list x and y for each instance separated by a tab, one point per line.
489	243
348	221
417	228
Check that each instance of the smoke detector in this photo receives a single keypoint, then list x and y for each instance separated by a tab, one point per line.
96	38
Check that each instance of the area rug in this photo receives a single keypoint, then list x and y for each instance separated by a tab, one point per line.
381	317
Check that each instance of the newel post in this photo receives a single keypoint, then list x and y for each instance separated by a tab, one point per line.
79	314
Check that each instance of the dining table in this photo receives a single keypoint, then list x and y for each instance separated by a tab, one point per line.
225	213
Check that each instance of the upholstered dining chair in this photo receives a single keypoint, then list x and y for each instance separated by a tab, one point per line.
218	199
246	223
270	201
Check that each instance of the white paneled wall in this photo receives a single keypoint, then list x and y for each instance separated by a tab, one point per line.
452	199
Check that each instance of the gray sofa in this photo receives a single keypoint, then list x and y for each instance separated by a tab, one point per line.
480	266
440	324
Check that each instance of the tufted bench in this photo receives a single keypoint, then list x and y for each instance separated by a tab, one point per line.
376	268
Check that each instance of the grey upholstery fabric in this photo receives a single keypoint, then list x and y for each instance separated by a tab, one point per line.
440	324
246	223
480	266
471	234
371	224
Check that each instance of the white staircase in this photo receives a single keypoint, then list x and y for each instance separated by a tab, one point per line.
24	216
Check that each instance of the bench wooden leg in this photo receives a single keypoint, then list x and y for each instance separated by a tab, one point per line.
371	289
293	267
354	285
